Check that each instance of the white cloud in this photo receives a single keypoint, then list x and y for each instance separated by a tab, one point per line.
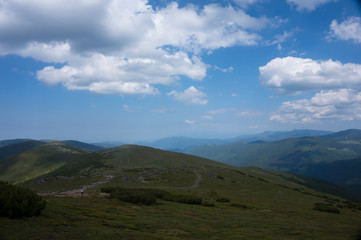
245	3
225	70
190	96
190	121
293	75
350	29
308	5
341	104
127	108
161	110
120	46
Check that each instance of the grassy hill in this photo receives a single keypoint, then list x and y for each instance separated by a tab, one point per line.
236	203
38	161
5	143
291	154
17	148
84	146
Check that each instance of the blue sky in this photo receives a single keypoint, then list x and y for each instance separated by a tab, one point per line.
132	70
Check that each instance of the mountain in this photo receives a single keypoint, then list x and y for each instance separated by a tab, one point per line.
232	202
328	157
17	148
270	136
183	144
347	135
38	161
5	143
346	173
84	146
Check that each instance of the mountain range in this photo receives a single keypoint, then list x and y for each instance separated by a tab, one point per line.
184	144
231	202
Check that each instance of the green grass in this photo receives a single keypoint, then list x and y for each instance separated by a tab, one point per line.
256	210
260	204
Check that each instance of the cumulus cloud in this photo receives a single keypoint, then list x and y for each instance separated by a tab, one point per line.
292	75
338	89
308	5
245	3
190	96
341	104
120	46
350	29
190	121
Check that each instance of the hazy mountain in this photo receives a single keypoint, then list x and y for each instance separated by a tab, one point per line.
17	148
312	156
38	161
183	144
5	143
84	146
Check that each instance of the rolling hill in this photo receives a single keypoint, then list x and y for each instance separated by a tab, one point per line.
183	144
37	161
311	156
17	148
236	203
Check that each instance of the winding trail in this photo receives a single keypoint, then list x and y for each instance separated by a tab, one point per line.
76	192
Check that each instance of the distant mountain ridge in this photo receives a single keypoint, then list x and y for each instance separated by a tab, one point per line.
183	144
310	156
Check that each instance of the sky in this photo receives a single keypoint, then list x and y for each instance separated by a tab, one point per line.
135	70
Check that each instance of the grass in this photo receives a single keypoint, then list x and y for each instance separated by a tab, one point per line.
256	210
259	204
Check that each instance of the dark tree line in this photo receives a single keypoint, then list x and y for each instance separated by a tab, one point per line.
17	202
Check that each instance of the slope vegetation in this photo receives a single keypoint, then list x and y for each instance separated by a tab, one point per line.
232	202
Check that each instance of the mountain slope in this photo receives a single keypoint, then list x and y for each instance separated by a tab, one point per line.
38	161
84	146
286	155
17	148
5	143
183	144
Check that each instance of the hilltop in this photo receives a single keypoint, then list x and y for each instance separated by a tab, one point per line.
246	203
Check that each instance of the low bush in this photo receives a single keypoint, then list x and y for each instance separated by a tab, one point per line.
239	205
222	200
183	198
17	202
207	204
149	196
323	207
133	195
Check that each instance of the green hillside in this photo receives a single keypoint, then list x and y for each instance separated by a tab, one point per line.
38	161
84	146
14	149
235	203
287	155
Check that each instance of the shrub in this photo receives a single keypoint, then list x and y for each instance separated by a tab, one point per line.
239	205
183	198
323	207
207	204
134	196
17	202
222	200
107	189
149	196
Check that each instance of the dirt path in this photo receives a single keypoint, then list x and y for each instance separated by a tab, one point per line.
76	192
